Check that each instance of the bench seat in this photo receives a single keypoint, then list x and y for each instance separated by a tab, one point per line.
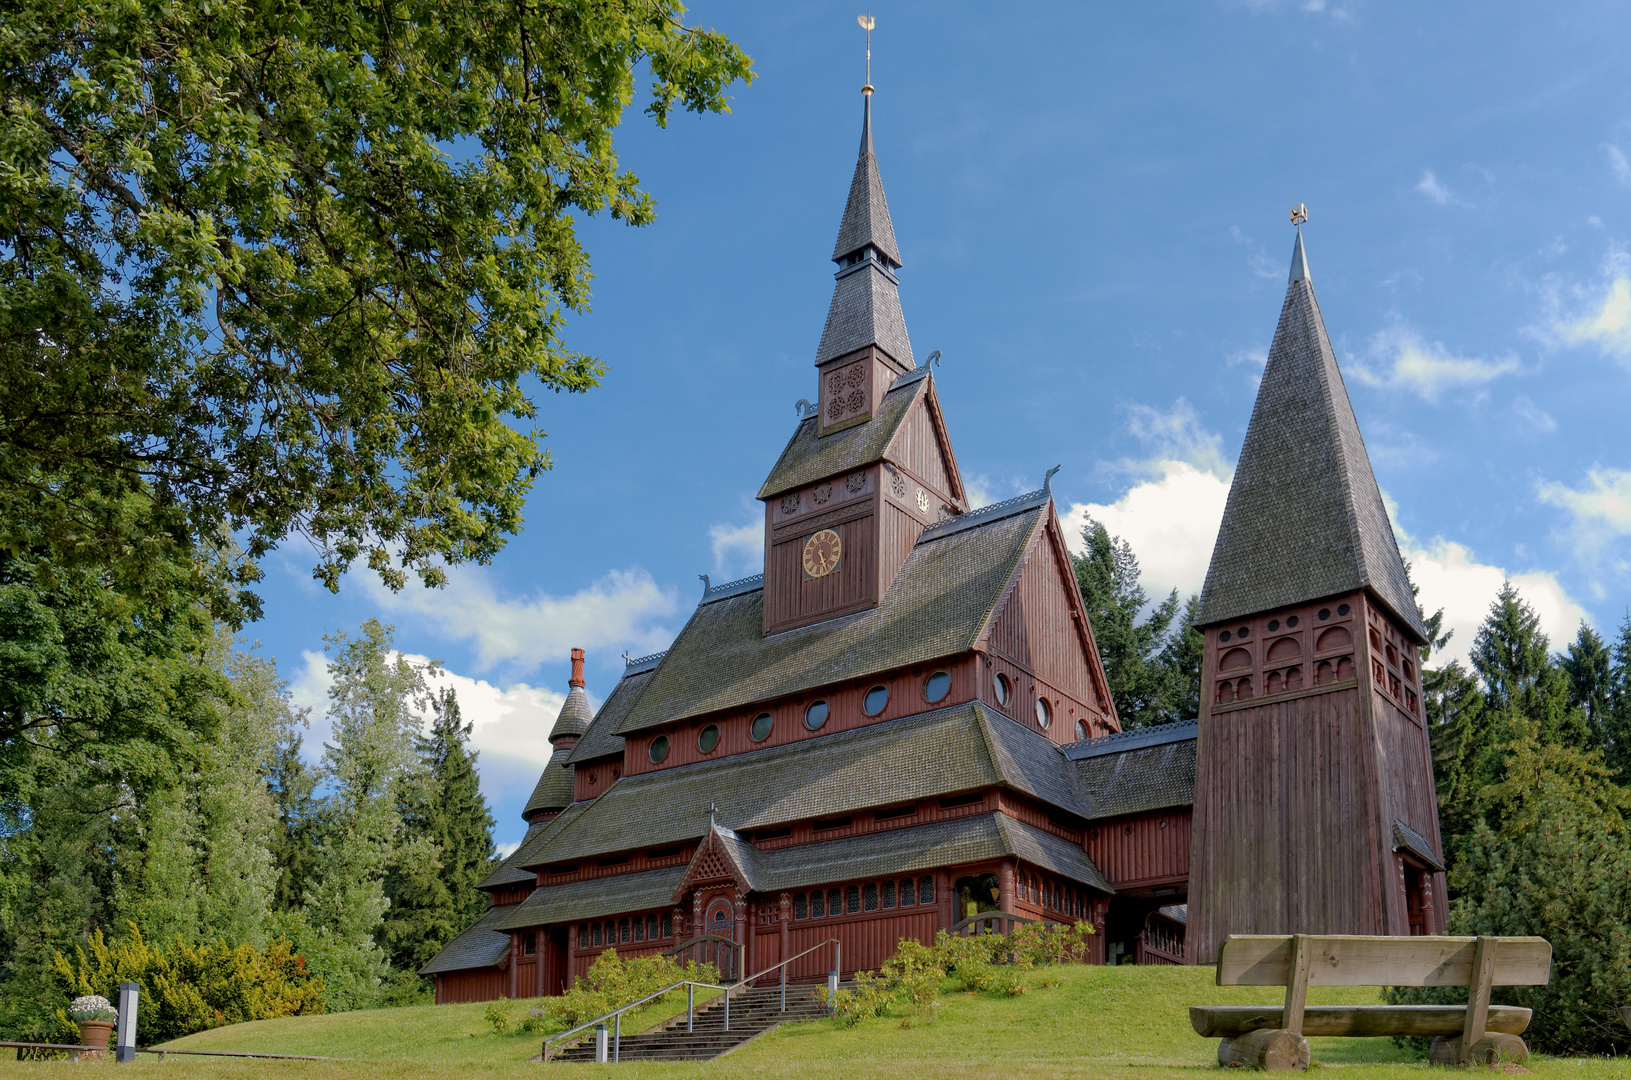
1231	1021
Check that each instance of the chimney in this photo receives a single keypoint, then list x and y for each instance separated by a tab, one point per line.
577	668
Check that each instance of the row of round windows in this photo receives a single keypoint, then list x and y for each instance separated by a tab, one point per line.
935	688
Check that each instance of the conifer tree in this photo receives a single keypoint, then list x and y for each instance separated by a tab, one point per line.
1509	651
1181	657
1615	730
433	899
1108	575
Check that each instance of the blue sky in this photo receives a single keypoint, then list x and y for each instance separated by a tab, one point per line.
1091	202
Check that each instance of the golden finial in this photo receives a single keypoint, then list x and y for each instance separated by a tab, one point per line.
1299	214
867	23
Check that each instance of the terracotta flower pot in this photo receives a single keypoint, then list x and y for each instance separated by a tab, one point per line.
94	1033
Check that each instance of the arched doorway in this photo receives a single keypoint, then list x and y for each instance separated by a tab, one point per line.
720	921
977	895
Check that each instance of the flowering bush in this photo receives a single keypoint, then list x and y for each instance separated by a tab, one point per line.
89	1007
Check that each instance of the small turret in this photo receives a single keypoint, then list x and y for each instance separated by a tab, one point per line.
554	791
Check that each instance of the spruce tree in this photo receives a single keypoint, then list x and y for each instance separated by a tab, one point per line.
1108	575
1181	657
1509	651
435	898
1616	726
1589	667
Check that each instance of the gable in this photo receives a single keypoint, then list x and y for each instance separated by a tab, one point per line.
922	446
1041	626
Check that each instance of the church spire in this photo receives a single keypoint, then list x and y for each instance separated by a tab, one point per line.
865	307
1305	518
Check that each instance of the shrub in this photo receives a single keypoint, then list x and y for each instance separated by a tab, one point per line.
187	988
611	983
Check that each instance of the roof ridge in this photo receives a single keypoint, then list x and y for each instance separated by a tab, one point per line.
633	665
1119	742
711	592
985	515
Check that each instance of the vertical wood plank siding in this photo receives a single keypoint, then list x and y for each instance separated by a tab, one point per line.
1143	850
478	984
918	449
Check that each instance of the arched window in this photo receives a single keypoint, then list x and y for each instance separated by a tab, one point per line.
852	900
887	889
639	929
818	904
623	931
801	909
583	935
651	928
835	902
925	889
908	892
597	935
668	925
869	896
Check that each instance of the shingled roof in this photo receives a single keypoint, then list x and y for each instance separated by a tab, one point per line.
809	457
483	945
508	872
555	786
593	897
961	748
865	306
601	739
936	606
1134	771
574	716
1305	518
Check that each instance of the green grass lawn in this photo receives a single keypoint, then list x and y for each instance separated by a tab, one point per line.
1097	1022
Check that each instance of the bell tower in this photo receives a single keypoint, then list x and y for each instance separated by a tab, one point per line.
870	465
1315	810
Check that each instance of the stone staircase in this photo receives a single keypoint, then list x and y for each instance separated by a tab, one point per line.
754	1011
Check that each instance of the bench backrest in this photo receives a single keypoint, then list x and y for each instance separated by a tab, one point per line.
1266	960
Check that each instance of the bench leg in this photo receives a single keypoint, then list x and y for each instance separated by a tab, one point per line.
1494	1047
1269	1049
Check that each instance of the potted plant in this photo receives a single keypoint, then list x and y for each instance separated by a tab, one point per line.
95	1016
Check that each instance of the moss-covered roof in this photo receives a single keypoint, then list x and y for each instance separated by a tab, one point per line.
554	788
936	607
809	457
1135	771
590	899
956	749
483	945
601	738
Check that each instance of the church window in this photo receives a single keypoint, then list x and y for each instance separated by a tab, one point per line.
887	894
529	944
651	927
925	890
800	907
1000	687
818	904
852	900
1343	609
869	895
583	935
937	686
762	725
639	929
659	749
1243	633
623	931
833	823
1082	730
875	701
597	935
815	715
668	925
1274	624
708	739
1325	613
1044	713
1291	623
1225	636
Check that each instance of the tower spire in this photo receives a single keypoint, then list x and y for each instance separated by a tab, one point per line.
865	307
1303	479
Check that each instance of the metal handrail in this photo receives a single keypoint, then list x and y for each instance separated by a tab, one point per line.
616	1015
837	963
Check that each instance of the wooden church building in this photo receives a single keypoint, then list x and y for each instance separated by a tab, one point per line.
904	721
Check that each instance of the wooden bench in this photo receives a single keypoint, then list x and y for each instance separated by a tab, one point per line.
1273	1038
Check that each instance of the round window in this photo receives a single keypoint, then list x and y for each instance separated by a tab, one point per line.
761	726
875	701
708	739
815	715
1000	685
1044	712
1082	731
937	686
659	749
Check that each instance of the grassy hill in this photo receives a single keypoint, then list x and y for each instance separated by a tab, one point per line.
1095	1022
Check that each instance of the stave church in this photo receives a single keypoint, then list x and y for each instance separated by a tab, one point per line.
903	725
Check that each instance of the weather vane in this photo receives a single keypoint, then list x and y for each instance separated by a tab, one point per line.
1299	214
867	23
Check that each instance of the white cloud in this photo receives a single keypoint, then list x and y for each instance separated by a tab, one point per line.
1450	578
1175	435
1400	359
979	491
1429	186
623	609
738	549
1171	520
1607	324
1617	162
1601	509
1534	415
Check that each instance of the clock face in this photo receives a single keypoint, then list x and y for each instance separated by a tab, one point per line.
821	553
